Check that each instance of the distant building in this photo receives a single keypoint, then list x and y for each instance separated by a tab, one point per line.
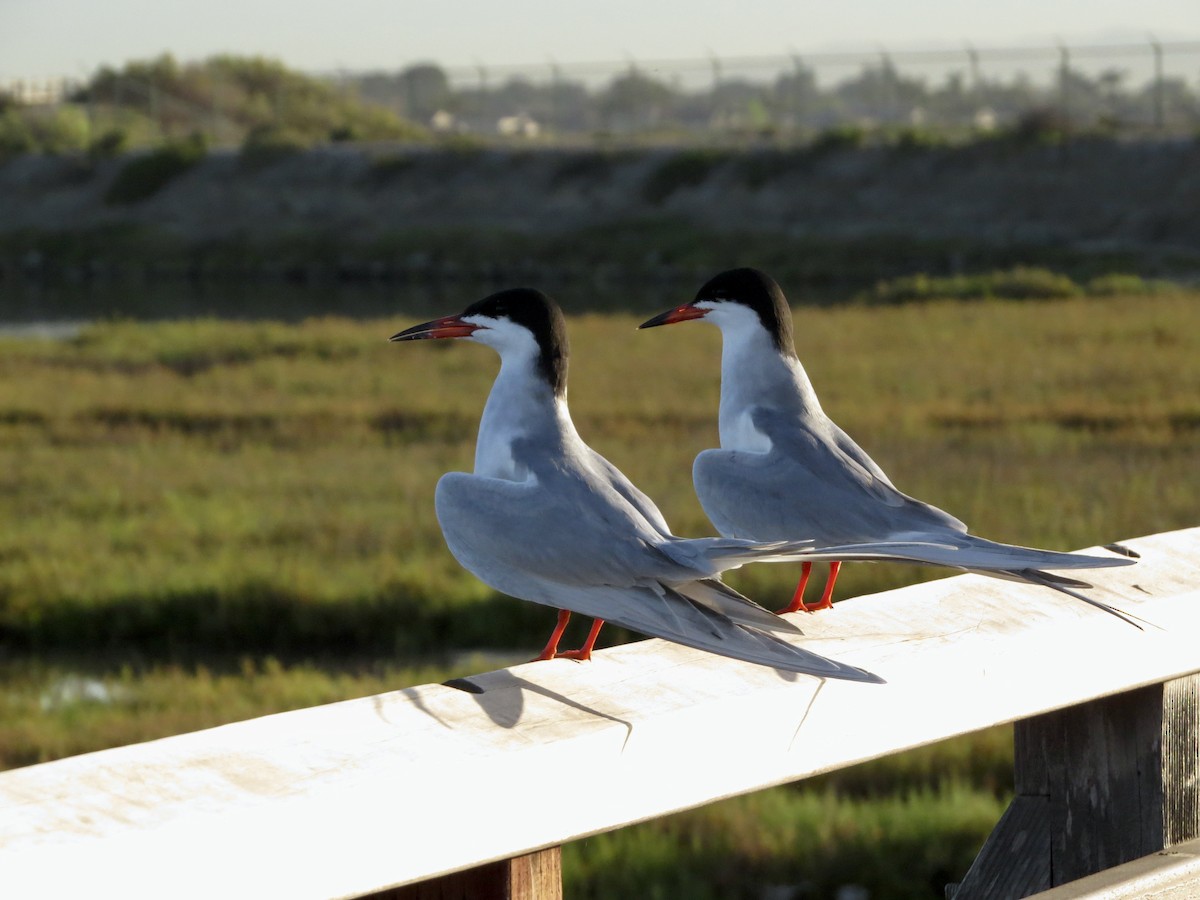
36	91
985	119
445	122
521	125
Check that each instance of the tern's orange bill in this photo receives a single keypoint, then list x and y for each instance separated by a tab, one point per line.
445	327
678	314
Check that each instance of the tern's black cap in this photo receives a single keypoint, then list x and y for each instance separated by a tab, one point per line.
757	290
539	313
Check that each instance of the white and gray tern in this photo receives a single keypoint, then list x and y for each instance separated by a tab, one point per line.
545	518
786	470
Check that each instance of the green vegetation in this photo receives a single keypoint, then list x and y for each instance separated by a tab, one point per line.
266	145
39	130
144	176
683	169
226	98
838	138
910	844
210	520
1020	283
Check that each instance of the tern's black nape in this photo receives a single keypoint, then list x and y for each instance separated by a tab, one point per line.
538	313
757	290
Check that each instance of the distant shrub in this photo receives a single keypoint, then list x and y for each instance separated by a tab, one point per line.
1020	283
249	92
915	139
112	142
267	145
687	168
469	144
1024	283
63	129
1117	285
16	137
144	176
1042	125
840	137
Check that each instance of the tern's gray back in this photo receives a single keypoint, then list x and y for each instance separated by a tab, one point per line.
806	486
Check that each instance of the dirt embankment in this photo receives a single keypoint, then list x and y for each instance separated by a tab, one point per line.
1140	199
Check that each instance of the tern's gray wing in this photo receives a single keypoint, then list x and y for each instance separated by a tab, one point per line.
807	486
521	539
570	534
627	489
856	454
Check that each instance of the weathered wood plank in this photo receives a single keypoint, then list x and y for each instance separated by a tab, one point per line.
1181	761
1113	780
1015	861
361	796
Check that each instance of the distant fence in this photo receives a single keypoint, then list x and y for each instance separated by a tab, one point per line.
1145	85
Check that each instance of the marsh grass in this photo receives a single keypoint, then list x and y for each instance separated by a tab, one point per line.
180	496
810	844
180	484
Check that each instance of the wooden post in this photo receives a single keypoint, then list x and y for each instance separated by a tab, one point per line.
534	876
1097	785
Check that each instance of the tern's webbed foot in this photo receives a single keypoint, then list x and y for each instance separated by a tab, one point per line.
583	653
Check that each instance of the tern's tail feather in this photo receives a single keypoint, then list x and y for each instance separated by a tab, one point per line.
965	551
958	551
1066	585
729	553
665	612
720	597
979	555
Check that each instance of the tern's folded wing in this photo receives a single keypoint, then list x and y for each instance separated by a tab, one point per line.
511	530
806	486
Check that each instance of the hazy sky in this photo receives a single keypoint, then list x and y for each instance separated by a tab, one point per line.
72	37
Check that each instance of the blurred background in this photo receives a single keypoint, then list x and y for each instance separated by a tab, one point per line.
216	477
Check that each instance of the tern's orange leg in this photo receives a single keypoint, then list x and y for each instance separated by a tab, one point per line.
584	652
798	597
551	649
826	601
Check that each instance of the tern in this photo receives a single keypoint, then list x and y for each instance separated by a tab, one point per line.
786	469
546	518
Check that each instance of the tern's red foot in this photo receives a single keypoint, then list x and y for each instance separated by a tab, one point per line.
826	601
584	652
550	651
581	653
798	597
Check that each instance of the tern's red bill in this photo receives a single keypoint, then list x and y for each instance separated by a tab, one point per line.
445	327
678	314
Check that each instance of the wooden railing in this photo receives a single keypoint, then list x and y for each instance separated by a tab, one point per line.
481	776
